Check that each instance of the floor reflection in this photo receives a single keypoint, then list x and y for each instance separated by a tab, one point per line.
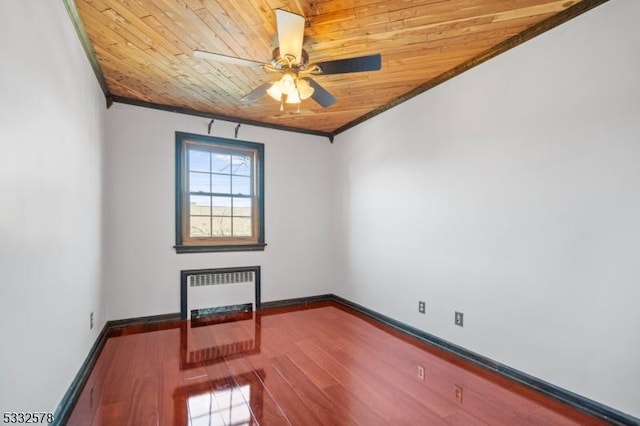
231	400
316	364
218	337
221	404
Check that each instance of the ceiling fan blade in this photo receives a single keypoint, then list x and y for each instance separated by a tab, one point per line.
217	57
320	94
359	64
257	93
290	33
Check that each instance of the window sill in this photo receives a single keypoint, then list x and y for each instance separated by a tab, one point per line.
220	248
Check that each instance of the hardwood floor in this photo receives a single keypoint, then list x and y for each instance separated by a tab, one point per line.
319	364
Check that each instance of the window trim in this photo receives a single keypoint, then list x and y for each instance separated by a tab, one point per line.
188	245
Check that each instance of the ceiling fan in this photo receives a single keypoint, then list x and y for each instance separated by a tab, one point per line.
292	61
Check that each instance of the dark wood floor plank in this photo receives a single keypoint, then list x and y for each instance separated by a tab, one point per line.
172	380
313	365
308	392
108	414
345	401
266	410
411	408
318	376
295	410
360	386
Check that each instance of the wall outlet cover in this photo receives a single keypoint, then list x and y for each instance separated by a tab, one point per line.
459	319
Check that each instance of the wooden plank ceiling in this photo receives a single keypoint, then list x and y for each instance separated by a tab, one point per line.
144	49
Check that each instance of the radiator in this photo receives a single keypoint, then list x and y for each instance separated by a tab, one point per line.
208	291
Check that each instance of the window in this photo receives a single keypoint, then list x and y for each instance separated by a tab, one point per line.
219	194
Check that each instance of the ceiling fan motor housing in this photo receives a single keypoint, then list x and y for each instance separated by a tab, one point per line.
289	61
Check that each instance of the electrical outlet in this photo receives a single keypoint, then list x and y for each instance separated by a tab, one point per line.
458	392
91	321
422	307
459	319
420	372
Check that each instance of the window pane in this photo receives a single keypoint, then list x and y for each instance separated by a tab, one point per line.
241	206
200	226
200	405
221	226
241	227
221	184
221	206
241	185
241	165
219	190
239	413
198	160
200	205
220	163
199	182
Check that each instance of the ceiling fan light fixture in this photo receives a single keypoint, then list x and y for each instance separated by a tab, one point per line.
303	89
295	90
283	86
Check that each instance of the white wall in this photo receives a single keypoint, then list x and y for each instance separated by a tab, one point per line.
143	269
512	193
51	138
